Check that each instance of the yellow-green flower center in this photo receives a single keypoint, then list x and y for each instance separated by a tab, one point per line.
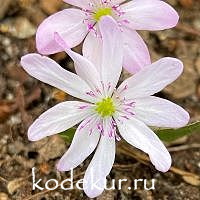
102	12
105	107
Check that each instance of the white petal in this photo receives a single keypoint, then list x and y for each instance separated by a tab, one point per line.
48	71
112	55
58	119
92	49
151	79
82	146
108	127
99	167
158	112
140	136
84	68
136	54
149	15
69	23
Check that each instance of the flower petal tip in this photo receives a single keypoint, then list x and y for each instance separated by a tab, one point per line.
93	193
28	58
163	170
33	133
41	48
165	164
24	59
174	18
32	137
60	167
174	62
186	118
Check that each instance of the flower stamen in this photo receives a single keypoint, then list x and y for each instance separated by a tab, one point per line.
102	12
105	107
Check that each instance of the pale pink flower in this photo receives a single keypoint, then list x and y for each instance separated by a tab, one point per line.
75	24
131	107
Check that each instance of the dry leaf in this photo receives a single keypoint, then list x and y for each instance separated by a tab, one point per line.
3	196
19	27
16	72
54	148
45	168
187	3
6	109
59	95
50	6
193	180
13	185
5	4
188	177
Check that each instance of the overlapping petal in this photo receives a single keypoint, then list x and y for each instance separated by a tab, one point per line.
92	49
99	167
112	53
68	23
82	146
136	54
48	71
139	135
84	68
149	15
158	112
58	119
151	79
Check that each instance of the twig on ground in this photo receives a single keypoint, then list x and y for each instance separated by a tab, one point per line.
183	147
188	177
3	179
188	29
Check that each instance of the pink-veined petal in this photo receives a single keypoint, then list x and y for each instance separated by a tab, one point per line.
69	23
84	68
151	79
99	167
149	15
92	49
112	53
48	71
79	3
136	54
140	136
158	112
83	144
58	119
108	127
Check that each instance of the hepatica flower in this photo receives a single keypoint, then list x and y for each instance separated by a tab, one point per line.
130	108
75	24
